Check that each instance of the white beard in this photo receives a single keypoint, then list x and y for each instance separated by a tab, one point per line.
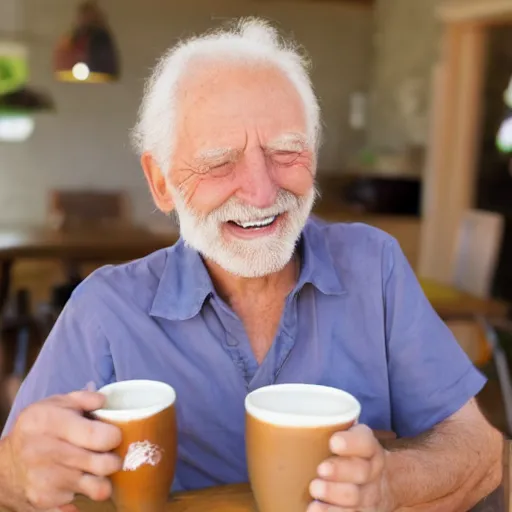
256	257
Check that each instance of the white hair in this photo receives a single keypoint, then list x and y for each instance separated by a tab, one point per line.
249	39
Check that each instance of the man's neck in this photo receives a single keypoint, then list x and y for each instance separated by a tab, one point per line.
233	288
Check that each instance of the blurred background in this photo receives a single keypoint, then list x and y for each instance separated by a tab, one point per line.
416	98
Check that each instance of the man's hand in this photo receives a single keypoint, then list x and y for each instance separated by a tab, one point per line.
354	478
55	452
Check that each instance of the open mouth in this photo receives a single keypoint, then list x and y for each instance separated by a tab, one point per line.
255	224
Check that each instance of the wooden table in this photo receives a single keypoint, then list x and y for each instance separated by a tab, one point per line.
82	245
454	305
110	245
232	498
451	303
238	498
78	245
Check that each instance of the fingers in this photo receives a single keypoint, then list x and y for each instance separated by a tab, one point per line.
62	417
79	400
48	488
359	441
351	478
343	494
351	470
86	400
98	464
94	487
83	432
339	496
318	506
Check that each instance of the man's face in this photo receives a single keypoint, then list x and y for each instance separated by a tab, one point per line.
242	175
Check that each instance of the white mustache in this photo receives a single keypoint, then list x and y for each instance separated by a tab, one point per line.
235	210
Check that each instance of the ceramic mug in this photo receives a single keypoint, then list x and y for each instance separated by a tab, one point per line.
288	428
144	410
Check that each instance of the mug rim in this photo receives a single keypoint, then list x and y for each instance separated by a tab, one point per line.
137	413
290	419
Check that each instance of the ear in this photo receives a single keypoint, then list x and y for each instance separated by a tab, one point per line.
157	183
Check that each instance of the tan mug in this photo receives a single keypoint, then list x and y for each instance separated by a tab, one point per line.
144	410
288	427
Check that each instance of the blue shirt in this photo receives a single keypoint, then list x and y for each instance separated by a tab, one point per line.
357	320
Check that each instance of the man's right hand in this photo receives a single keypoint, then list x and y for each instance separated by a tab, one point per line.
56	452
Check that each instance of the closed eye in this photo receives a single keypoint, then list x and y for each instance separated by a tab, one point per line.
284	157
219	169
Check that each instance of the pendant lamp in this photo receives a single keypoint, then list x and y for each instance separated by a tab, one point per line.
18	101
87	54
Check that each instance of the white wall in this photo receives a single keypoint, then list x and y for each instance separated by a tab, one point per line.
85	143
406	48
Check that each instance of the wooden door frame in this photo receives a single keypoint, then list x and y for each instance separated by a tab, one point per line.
453	152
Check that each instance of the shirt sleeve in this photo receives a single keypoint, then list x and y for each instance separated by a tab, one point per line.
430	376
75	354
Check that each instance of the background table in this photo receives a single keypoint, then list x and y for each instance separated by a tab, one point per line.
83	245
77	245
238	498
451	303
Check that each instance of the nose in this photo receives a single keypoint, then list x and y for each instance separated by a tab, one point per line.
256	183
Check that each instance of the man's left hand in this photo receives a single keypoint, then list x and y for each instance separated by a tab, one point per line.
353	480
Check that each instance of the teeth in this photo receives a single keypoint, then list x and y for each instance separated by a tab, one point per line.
257	223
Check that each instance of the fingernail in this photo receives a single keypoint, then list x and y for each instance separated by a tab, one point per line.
317	489
90	386
338	444
325	469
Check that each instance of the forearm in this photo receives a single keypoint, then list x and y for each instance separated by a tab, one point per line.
452	467
447	470
10	493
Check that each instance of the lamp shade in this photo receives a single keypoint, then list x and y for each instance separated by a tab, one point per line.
24	101
17	99
88	53
13	66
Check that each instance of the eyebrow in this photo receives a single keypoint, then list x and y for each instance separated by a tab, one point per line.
288	142
206	156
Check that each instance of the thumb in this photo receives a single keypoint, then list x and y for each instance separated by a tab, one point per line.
86	400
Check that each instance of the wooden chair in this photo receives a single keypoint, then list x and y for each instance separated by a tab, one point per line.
70	209
477	252
86	209
67	210
21	336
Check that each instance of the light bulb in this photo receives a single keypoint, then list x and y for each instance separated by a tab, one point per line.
81	71
16	128
504	139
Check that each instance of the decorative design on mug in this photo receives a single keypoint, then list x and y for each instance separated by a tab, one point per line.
140	453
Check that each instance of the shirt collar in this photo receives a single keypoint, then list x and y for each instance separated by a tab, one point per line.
318	266
185	283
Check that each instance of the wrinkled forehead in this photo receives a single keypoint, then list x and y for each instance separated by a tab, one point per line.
228	104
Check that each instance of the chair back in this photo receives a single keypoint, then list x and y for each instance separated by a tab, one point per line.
477	251
88	208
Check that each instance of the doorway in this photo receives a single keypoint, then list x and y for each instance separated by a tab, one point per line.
494	179
454	154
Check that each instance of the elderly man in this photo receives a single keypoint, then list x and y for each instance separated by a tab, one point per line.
255	292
